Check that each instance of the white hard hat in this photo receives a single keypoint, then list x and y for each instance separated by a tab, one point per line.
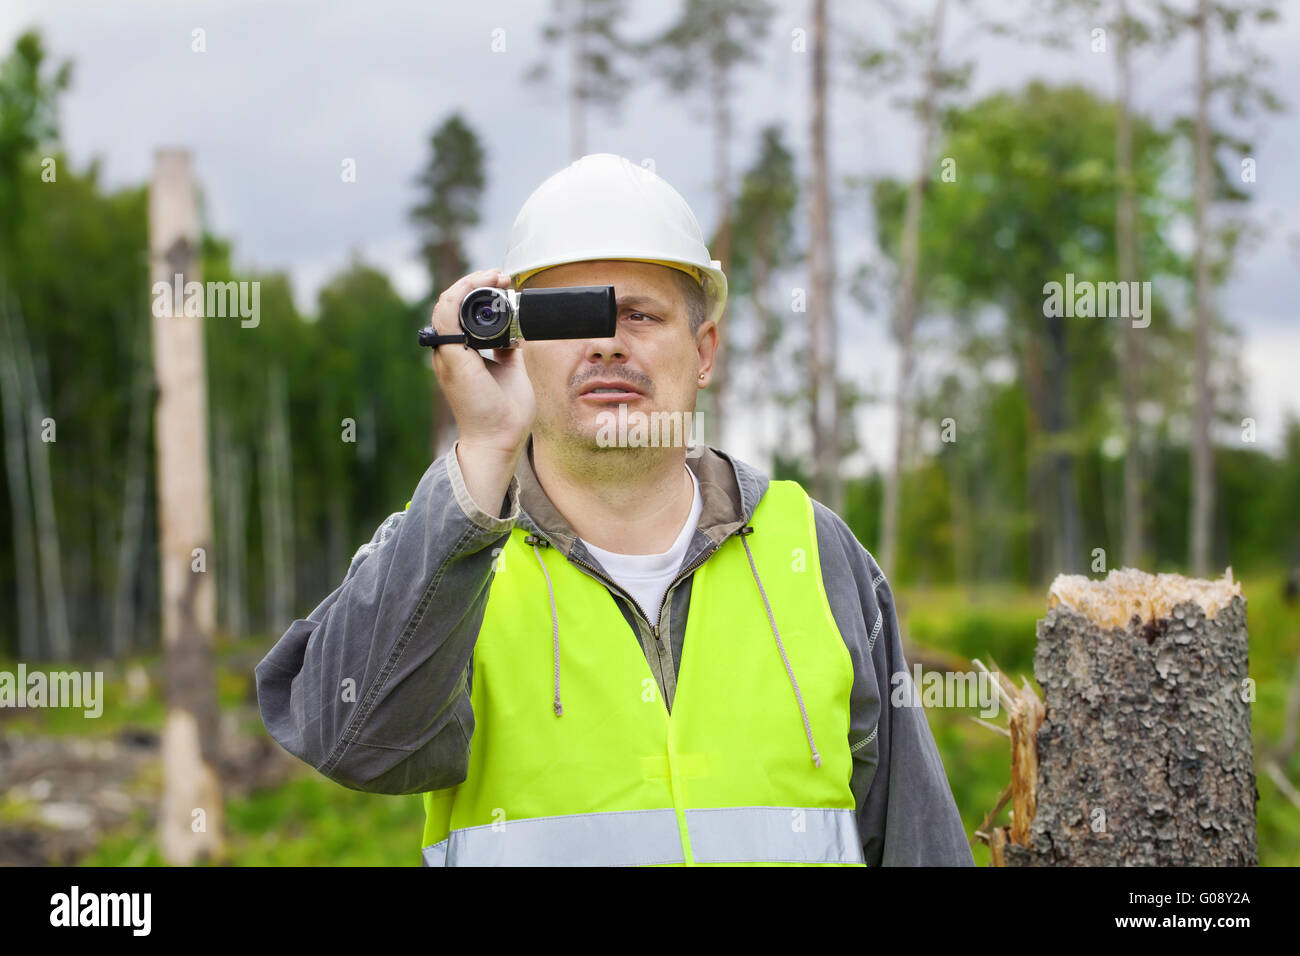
604	206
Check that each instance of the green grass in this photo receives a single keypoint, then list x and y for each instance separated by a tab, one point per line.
119	710
308	821
311	821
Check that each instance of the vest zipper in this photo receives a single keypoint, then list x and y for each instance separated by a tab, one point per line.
631	600
654	628
679	579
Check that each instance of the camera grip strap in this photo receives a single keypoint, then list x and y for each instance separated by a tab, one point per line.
430	340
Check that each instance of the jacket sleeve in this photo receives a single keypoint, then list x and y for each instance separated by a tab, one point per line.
905	809
372	688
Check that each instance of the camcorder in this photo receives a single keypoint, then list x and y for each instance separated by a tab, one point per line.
492	318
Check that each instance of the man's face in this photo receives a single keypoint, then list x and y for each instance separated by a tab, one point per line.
653	361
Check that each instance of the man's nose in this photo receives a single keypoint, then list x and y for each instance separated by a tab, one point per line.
612	347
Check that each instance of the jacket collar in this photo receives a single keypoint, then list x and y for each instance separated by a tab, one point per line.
730	490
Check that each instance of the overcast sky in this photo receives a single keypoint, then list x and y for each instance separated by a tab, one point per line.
287	90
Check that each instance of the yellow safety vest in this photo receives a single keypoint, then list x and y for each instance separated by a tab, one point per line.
575	759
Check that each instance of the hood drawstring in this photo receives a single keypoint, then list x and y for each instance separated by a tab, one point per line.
534	540
744	533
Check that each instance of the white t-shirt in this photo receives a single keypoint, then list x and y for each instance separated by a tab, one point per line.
647	576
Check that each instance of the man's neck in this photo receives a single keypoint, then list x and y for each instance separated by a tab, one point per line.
629	501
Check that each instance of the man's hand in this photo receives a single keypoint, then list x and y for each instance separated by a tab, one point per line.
492	401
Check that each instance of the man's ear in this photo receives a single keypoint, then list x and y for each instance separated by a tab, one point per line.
706	346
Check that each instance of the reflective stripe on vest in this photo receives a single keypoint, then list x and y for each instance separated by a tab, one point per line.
726	777
650	838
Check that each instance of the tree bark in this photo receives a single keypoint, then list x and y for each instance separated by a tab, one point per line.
1145	755
190	817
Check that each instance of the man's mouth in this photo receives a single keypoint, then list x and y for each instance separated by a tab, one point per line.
609	392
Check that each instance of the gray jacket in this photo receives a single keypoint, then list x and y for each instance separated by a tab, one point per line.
373	687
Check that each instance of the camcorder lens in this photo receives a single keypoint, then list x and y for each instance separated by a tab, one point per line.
486	313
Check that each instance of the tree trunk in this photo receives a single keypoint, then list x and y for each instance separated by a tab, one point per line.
824	389
909	266
444	424
1145	755
232	484
1037	481
1065	522
1202	451
276	491
339	539
451	266
722	249
47	525
190	817
577	79
766	357
1130	339
20	505
133	501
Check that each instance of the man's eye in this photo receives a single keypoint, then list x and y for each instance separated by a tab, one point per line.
642	314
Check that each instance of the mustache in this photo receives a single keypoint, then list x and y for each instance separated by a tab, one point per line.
642	383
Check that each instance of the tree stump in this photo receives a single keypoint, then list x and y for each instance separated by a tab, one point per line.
1144	755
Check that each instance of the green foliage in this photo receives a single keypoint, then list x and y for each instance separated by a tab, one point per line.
27	122
1034	399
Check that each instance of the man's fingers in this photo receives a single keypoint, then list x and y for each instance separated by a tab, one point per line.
446	311
448	360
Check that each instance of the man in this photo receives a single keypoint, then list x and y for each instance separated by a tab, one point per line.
584	649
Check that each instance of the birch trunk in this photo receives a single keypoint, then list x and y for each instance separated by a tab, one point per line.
190	817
